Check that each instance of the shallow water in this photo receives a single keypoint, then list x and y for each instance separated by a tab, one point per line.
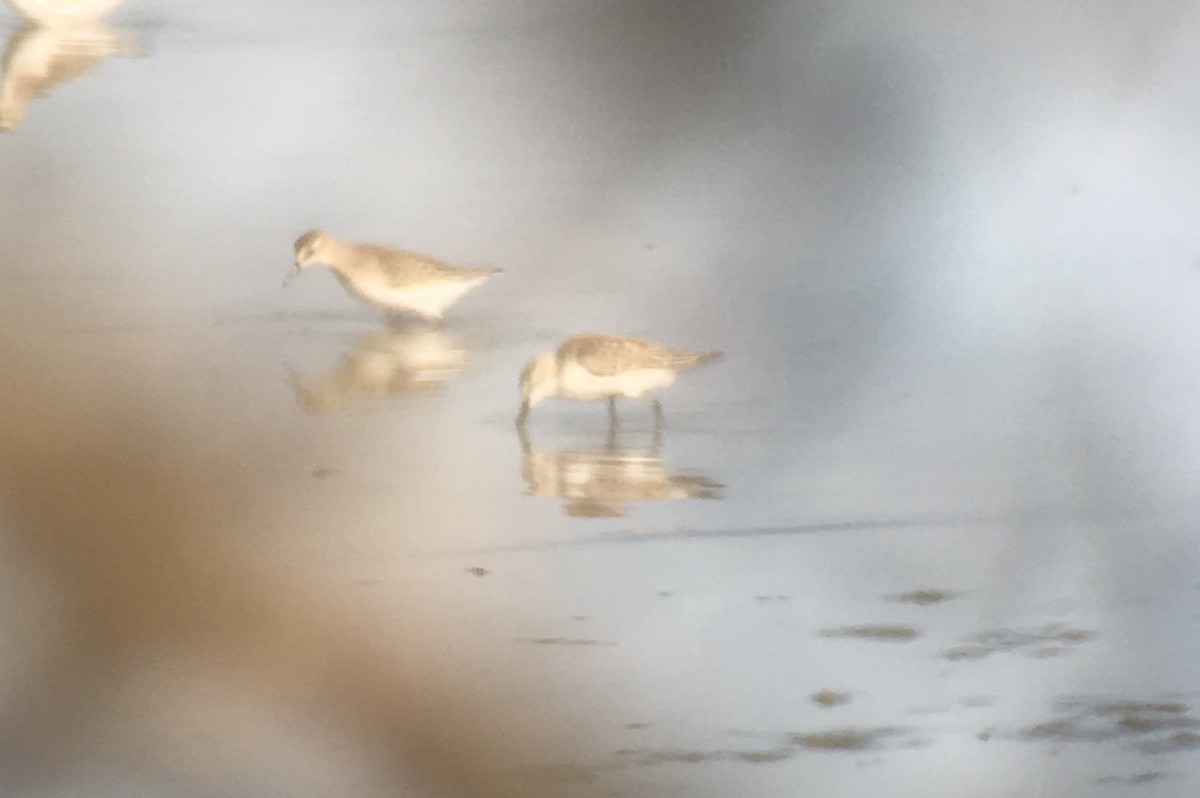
926	529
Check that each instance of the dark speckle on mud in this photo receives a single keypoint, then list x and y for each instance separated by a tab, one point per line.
771	599
842	739
1051	640
1145	777
830	698
1151	727
759	757
924	597
780	748
876	632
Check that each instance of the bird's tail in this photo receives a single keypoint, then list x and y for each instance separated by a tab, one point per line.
684	360
476	275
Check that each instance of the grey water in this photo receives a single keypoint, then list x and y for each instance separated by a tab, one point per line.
927	528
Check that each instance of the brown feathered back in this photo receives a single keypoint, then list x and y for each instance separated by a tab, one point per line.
608	355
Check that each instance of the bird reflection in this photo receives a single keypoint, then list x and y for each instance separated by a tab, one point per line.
39	58
381	365
601	482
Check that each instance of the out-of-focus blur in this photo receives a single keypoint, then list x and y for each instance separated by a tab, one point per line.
928	528
39	57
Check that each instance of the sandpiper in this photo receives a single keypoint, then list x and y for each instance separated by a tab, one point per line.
389	279
595	366
64	12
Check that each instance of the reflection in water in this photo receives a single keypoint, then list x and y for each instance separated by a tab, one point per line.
38	58
600	482
384	364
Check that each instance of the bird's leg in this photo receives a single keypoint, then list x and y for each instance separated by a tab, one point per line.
610	441
658	416
612	422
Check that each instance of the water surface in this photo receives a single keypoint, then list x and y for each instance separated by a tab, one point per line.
945	473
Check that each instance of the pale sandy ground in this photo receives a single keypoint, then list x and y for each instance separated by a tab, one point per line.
258	543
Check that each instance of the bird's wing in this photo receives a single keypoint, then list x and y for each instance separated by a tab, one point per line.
403	268
607	355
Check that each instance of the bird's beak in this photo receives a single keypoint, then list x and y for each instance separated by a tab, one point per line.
523	414
291	275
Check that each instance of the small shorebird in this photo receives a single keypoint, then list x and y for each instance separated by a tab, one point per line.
389	279
64	12
594	366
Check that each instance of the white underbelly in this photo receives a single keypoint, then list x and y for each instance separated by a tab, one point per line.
429	300
577	382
